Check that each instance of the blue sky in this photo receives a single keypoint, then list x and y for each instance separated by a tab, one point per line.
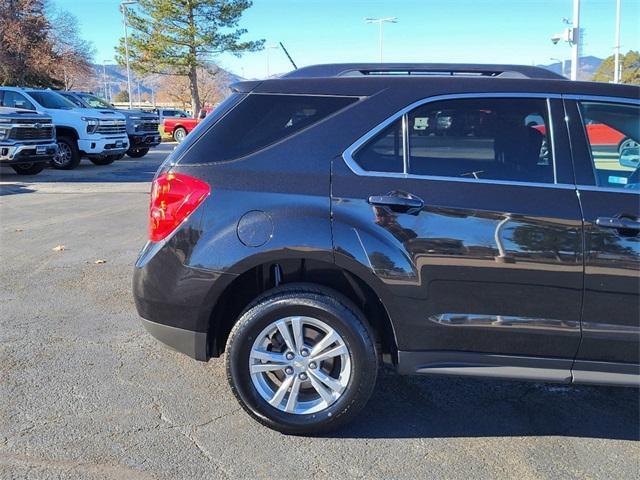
322	31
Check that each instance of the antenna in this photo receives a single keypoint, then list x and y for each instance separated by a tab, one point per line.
295	67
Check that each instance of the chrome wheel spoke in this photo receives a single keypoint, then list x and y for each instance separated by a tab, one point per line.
298	334
280	393
330	338
268	356
334	352
292	401
330	382
323	391
283	328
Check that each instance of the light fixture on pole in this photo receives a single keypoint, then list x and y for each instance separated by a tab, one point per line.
380	22
123	9
571	35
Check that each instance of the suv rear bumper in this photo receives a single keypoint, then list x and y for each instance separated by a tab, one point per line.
27	153
176	301
193	344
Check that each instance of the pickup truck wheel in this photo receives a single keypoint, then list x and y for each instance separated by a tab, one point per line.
179	134
137	152
107	160
301	360
28	168
68	156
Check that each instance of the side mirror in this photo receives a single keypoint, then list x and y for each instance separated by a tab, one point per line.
630	157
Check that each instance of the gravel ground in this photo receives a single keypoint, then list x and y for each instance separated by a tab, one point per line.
86	393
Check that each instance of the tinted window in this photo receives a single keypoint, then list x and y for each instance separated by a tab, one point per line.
384	152
613	131
93	101
52	100
76	101
16	100
261	120
491	138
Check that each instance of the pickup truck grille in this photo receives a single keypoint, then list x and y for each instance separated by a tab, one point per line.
112	127
32	133
149	126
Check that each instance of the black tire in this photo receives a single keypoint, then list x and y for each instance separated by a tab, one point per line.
28	168
68	156
137	152
334	310
106	160
179	134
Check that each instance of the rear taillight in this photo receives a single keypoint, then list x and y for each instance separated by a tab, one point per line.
174	196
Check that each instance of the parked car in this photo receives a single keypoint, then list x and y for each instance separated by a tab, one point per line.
164	113
98	135
308	229
142	127
180	127
27	140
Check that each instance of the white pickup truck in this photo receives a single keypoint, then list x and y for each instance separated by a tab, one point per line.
98	135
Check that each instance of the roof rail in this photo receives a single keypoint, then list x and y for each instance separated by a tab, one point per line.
423	70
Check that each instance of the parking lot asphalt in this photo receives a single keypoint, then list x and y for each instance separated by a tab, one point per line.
86	393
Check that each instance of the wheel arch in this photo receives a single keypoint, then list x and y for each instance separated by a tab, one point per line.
265	275
66	131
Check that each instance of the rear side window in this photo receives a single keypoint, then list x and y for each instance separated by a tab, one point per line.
262	120
613	132
384	153
477	138
488	138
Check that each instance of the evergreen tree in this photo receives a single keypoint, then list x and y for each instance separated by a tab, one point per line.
630	69
179	37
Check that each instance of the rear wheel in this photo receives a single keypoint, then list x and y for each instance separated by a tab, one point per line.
179	134
28	168
137	152
301	360
68	155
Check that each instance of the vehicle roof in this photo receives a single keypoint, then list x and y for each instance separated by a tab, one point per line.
431	86
423	69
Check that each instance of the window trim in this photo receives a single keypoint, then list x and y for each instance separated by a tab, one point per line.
578	99
348	154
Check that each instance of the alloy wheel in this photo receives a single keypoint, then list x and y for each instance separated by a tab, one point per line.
300	365
64	155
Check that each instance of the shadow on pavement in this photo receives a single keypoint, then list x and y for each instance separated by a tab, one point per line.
416	407
14	188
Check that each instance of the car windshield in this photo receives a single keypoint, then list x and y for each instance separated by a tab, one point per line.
52	100
93	101
76	101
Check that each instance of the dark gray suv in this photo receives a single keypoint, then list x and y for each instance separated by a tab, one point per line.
477	220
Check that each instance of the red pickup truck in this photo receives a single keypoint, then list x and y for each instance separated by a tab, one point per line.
180	127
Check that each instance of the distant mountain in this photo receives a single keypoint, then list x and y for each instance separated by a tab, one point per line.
115	78
588	66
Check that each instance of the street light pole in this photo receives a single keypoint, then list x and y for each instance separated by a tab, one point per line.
123	7
104	78
575	51
616	68
380	22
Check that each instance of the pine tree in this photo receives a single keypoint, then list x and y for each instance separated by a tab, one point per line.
630	69
179	37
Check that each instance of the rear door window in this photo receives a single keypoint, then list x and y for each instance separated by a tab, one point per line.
482	138
261	120
613	133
